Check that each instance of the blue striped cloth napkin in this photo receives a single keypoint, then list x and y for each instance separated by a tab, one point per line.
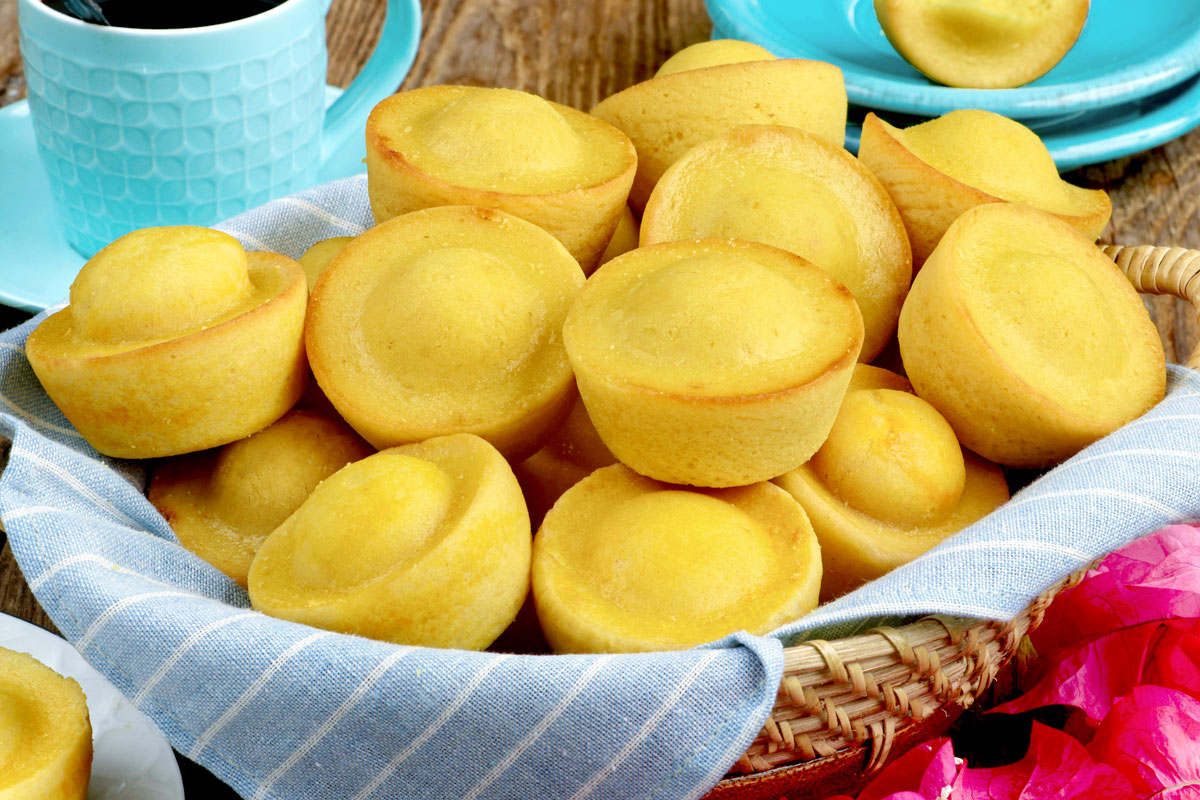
280	710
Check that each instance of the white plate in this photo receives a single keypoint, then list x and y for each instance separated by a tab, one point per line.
132	760
1126	51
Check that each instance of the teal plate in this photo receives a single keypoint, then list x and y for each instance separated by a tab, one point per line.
1089	137
37	264
1127	51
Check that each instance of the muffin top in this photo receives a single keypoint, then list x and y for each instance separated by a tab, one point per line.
713	53
1066	324
222	503
498	140
629	563
712	317
892	455
788	188
158	284
999	156
427	544
444	320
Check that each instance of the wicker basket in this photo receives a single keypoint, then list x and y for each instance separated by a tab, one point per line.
846	707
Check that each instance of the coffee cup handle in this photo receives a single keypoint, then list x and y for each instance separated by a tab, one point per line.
380	76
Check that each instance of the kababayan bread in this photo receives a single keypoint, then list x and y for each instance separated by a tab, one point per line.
561	169
938	169
1027	339
223	503
447	320
712	362
426	544
45	732
717	91
788	188
890	482
623	563
713	53
316	259
175	340
871	376
572	453
624	238
982	44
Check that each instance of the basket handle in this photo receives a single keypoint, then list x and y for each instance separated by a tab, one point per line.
1162	270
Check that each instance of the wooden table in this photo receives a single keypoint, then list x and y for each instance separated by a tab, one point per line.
579	51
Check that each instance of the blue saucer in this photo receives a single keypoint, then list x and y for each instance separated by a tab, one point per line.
36	263
1127	51
1089	137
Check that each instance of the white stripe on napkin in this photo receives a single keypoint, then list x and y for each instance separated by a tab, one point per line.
1099	491
86	558
251	692
26	511
647	728
1140	421
253	242
325	727
1015	544
38	422
82	489
323	214
537	730
117	608
187	645
1189	378
1075	462
433	728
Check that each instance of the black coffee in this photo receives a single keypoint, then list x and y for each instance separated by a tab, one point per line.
164	14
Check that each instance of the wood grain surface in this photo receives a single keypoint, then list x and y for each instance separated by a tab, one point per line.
577	52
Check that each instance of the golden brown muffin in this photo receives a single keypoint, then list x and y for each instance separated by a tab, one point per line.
788	188
982	44
223	503
712	362
314	400
713	53
572	453
1027	339
867	376
937	170
316	258
890	482
175	340
561	169
623	563
45	734
624	238
670	114
447	320
426	544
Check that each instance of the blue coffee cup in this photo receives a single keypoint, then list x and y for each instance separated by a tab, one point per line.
140	127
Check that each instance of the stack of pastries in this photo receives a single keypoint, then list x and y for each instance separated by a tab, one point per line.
648	329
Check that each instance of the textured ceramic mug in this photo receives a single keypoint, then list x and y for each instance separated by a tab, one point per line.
140	127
